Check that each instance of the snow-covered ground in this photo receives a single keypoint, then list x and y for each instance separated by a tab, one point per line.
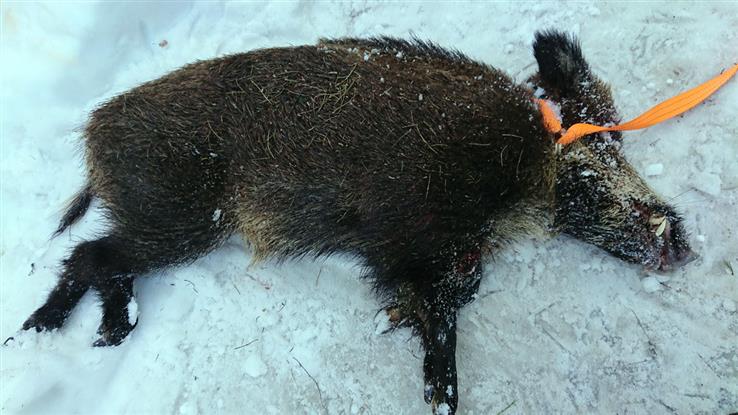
560	327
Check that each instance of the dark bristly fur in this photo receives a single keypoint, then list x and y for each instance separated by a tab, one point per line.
560	60
412	157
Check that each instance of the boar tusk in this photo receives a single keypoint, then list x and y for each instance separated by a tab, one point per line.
661	228
656	220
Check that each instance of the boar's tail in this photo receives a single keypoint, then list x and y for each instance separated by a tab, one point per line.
560	60
76	209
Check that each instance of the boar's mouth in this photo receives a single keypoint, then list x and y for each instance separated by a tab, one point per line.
674	251
673	254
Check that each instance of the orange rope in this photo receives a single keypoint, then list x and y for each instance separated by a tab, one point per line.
661	112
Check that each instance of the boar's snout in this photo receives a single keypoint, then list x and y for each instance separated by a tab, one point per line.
669	233
673	255
670	248
601	199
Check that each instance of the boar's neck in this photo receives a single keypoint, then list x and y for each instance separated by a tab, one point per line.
533	213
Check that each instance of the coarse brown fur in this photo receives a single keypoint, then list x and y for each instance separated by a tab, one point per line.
410	156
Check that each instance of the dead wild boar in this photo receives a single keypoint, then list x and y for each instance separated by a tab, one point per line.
412	157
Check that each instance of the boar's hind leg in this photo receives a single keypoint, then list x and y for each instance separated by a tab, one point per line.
100	264
108	265
58	306
118	319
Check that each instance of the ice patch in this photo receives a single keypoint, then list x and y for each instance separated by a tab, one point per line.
708	182
651	284
254	366
187	408
654	169
216	215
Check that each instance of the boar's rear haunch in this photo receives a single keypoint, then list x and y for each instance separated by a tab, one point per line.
412	157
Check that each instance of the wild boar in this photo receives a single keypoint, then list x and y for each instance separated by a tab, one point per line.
414	158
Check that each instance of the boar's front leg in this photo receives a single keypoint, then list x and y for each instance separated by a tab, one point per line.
439	366
430	300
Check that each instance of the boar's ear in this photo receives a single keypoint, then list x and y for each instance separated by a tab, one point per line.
567	80
560	61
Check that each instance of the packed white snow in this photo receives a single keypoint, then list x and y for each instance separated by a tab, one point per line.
558	327
654	169
132	309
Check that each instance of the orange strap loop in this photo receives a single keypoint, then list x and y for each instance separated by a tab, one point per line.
661	112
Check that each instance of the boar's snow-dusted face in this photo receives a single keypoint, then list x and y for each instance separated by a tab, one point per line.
600	199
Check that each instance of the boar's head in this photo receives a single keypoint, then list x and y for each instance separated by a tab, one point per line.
598	196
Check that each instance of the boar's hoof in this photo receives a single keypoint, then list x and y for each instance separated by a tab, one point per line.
440	385
45	319
428	393
113	335
440	402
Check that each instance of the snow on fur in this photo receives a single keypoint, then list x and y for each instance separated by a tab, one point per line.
559	326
